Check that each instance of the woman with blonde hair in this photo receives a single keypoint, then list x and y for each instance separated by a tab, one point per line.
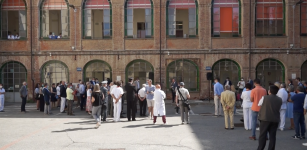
96	99
88	99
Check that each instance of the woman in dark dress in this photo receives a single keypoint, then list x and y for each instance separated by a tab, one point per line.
53	93
41	98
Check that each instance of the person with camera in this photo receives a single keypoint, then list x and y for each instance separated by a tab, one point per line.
182	95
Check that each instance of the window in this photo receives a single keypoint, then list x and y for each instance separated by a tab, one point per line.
138	19
54	19
140	69
54	72
97	69
182	18
227	68
269	18
97	19
304	18
226	18
183	71
13	19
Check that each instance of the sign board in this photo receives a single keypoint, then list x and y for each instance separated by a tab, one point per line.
16	86
293	75
208	67
79	69
118	78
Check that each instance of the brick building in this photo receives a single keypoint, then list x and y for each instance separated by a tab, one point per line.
122	38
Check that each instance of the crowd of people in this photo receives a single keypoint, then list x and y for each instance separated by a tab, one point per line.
270	107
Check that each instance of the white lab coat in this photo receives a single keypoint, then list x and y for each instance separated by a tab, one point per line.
159	107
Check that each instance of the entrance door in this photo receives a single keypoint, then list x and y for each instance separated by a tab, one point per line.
270	71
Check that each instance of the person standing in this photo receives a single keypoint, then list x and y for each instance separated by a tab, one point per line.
299	83
89	99
182	95
78	95
247	104
159	108
283	94
143	101
70	99
174	85
269	116
53	94
131	100
82	95
227	82
104	106
117	94
23	94
63	97
228	99
305	110
290	82
218	89
93	82
136	84
2	92
111	87
58	93
41	98
36	92
256	94
250	81
289	112
47	95
149	90
241	85
97	102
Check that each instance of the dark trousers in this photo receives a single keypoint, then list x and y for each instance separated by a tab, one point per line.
131	109
23	103
143	105
83	101
69	108
173	95
299	124
104	111
41	103
267	127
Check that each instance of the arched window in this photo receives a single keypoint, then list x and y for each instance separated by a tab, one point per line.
304	18
97	19
182	18
97	69
226	20
54	71
12	74
227	68
140	69
184	71
270	18
54	19
304	71
138	18
270	71
13	19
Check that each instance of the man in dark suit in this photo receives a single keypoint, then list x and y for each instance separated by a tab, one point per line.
131	100
63	95
227	82
47	95
174	86
269	117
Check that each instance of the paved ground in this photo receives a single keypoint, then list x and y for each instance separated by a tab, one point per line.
33	130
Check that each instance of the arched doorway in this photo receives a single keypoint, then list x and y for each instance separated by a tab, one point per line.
140	69
12	74
97	69
183	70
270	71
304	71
227	68
54	71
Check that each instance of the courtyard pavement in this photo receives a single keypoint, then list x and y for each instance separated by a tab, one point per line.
36	131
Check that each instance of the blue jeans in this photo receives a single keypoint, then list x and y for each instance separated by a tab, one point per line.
254	122
299	124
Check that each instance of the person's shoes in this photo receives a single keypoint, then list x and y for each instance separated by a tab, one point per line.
296	137
304	144
2	111
154	123
63	112
182	123
232	128
252	138
23	112
281	129
97	126
188	122
241	120
303	137
226	128
176	113
129	120
165	123
133	120
258	129
215	116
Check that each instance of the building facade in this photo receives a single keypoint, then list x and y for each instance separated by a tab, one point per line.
161	40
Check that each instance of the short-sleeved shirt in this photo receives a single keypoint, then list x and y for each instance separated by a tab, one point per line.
149	89
117	92
69	92
142	92
1	91
58	90
298	102
184	93
257	93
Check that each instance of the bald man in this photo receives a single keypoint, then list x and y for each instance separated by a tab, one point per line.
159	108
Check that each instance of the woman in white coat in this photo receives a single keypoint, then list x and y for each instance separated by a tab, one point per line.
247	104
159	108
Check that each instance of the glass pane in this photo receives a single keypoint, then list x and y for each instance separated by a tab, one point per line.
130	32
147	11
22	23
106	18
106	12
64	21
129	12
45	23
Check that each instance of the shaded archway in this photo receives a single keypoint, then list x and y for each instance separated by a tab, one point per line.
54	71
97	69
140	69
227	68
12	74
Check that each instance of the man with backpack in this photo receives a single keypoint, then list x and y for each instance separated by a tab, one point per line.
182	95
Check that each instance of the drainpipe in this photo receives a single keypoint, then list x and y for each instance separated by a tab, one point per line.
250	40
160	45
31	46
75	10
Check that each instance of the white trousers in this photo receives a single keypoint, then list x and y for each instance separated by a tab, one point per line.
117	110
1	103
218	107
63	102
247	114
282	118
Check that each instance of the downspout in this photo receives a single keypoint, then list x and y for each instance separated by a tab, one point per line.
160	45
31	46
75	10
250	40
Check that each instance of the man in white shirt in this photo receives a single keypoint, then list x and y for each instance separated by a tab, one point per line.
283	94
143	102
2	92
159	108
117	94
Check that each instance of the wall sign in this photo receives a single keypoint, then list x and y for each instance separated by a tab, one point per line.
208	68
79	69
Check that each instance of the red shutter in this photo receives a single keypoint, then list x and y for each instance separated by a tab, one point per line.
97	4
13	5
54	4
138	4
182	4
226	19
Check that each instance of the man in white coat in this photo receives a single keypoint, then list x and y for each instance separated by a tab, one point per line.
283	94
159	108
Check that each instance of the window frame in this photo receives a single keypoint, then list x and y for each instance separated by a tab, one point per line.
229	60
136	61
52	62
95	61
